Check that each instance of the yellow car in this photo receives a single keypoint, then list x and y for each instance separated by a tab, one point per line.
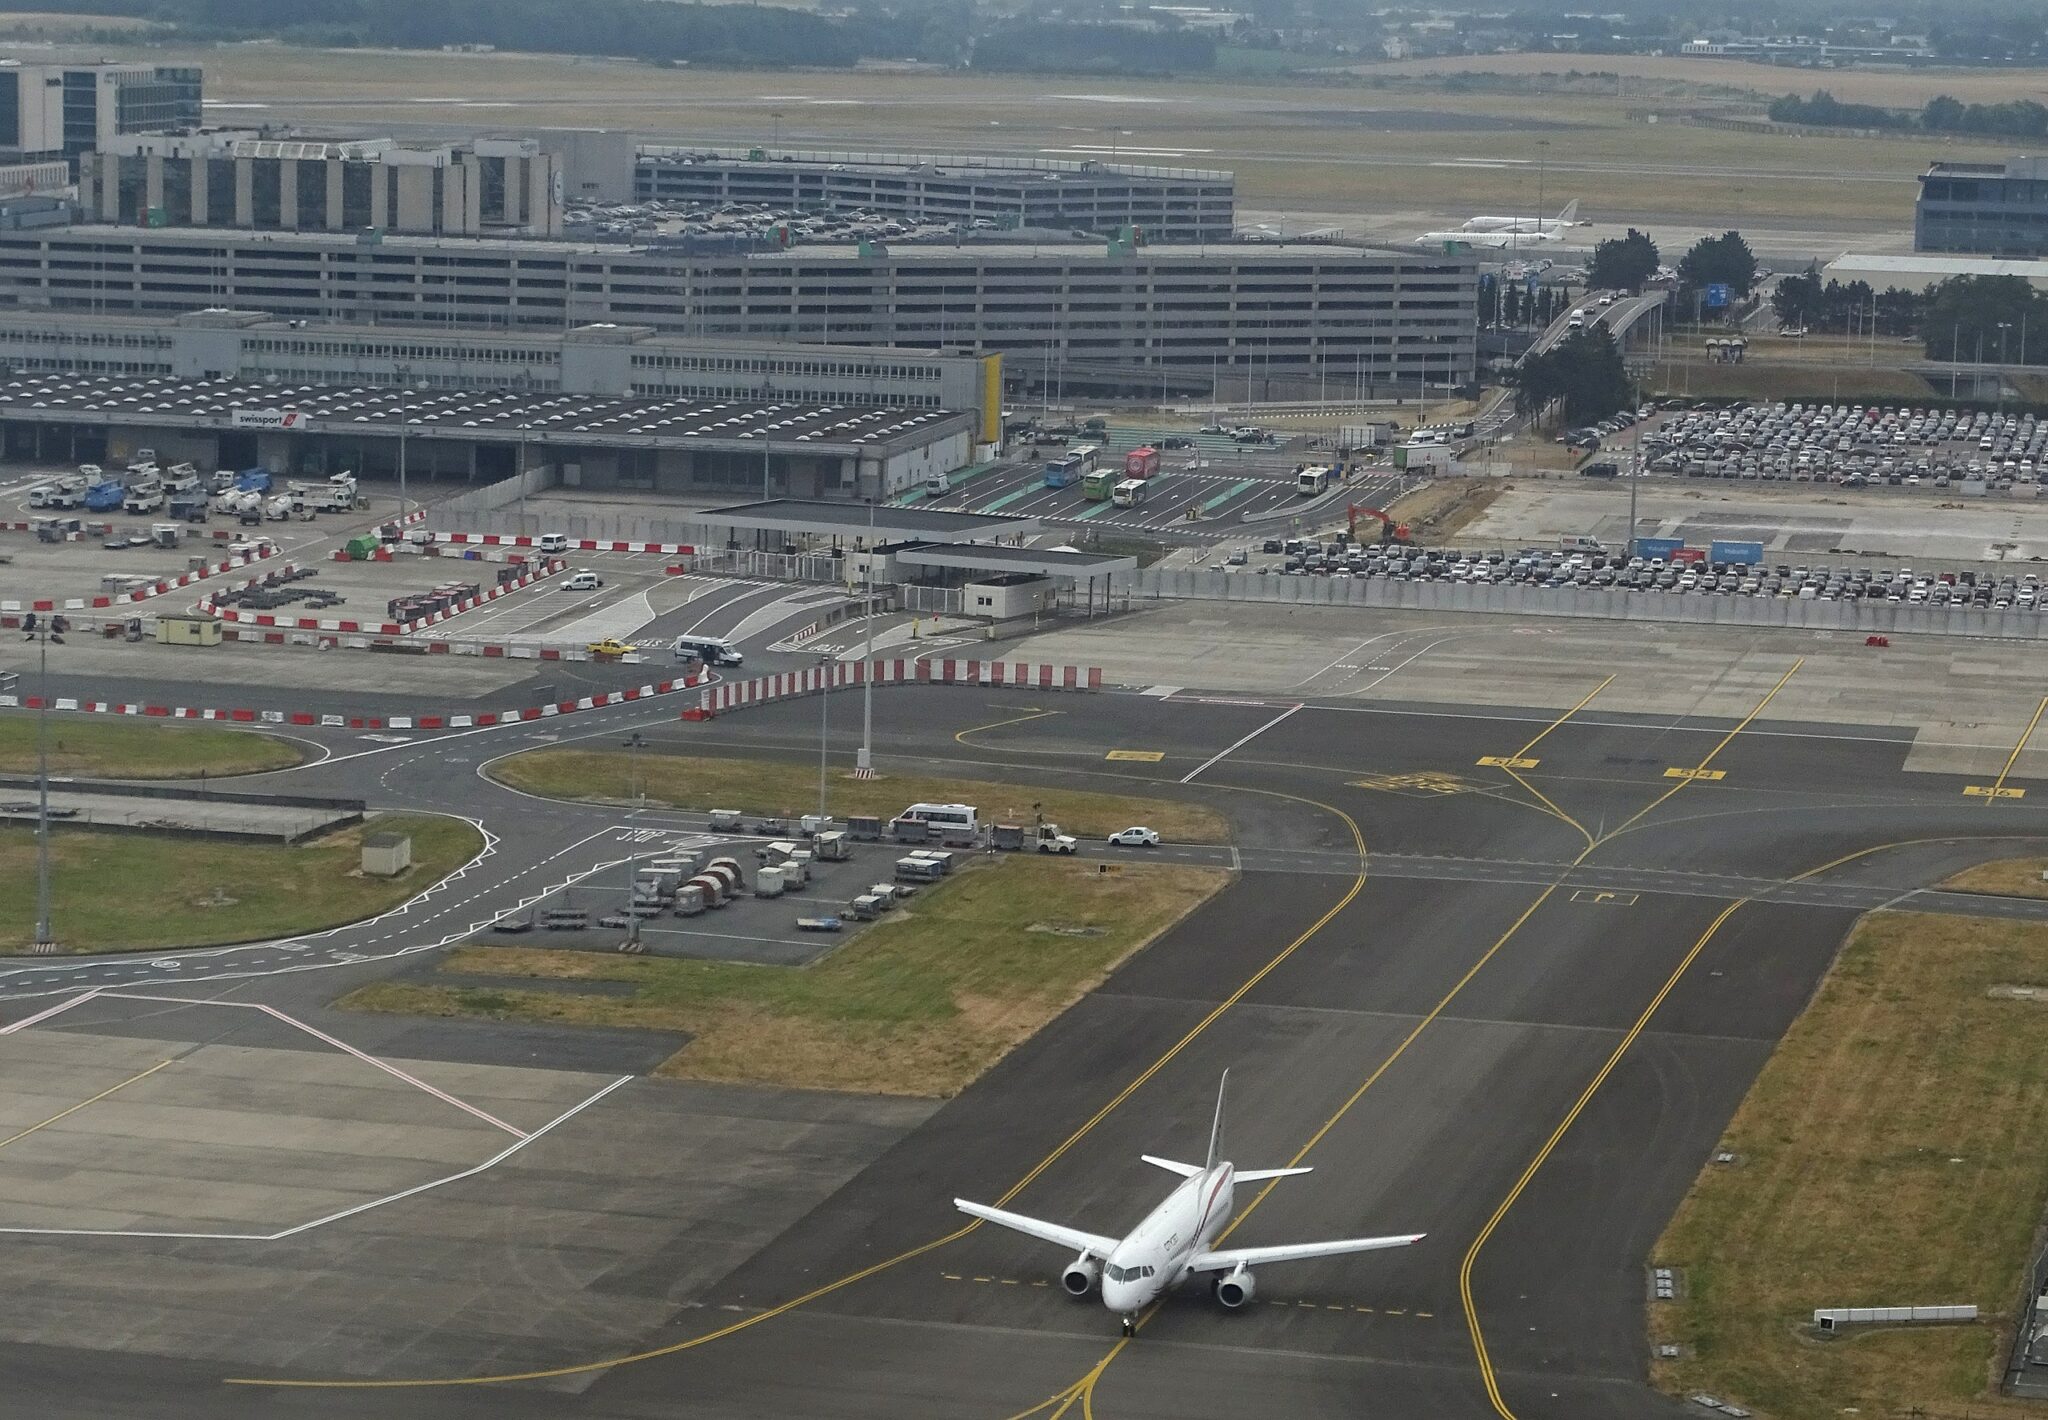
611	646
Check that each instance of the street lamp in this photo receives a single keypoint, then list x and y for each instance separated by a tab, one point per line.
2003	327
43	633
824	727
404	419
638	793
864	762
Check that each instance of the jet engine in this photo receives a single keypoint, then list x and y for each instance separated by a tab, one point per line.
1237	1289
1081	1276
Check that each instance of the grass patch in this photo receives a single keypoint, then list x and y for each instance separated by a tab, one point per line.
773	787
113	892
1772	380
919	1004
1889	1153
2013	877
139	749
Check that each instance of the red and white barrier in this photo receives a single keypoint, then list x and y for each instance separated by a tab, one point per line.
346	626
8	609
737	695
667	549
444	721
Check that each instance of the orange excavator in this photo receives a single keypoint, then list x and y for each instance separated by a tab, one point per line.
1390	531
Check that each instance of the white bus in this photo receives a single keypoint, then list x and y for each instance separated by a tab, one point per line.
1129	493
1312	480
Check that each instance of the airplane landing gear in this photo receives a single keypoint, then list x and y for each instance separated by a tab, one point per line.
1130	1327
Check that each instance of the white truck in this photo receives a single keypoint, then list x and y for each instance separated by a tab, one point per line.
144	498
1051	840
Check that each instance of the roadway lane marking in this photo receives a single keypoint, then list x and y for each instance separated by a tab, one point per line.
1224	754
1233	491
67	1113
1998	790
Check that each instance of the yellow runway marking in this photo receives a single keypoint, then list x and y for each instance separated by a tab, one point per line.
1514	760
67	1113
1998	789
1506	761
1140	756
1719	745
1993	791
1708	775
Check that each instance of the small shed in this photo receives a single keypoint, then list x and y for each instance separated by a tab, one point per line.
187	628
386	855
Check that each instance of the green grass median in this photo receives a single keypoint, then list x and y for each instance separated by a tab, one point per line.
919	1003
766	786
1889	1154
113	892
103	748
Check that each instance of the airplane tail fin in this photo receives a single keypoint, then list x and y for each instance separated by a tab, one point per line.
1216	1128
1571	211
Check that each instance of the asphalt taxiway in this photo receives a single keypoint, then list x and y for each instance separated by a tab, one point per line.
1498	975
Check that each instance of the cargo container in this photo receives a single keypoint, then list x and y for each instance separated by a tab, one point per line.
918	870
1689	555
1746	554
1007	835
689	900
768	882
1656	546
725	820
863	828
945	858
712	889
831	847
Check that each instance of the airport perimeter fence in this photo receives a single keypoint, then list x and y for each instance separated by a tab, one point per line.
1861	618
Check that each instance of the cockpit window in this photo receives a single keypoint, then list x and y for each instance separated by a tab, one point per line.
1114	1273
1125	1274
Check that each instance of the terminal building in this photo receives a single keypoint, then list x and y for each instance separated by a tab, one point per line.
606	359
1984	209
243	180
1095	196
1104	318
62	110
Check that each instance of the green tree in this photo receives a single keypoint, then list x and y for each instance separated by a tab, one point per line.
1623	263
1965	314
1584	371
1799	300
1725	260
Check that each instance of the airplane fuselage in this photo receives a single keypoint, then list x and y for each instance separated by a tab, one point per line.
1154	1256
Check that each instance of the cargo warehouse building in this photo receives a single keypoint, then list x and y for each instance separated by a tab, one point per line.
607	359
1129	317
678	446
1103	197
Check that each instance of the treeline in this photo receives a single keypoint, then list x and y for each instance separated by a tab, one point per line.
2022	118
1042	46
1964	318
657	30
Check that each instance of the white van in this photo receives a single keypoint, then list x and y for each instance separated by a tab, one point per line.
553	542
937	486
711	650
584	581
951	818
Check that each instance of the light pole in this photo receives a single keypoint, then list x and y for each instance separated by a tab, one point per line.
824	726
2003	327
864	762
638	793
404	419
44	633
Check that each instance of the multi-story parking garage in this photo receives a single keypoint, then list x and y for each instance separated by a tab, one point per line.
1136	317
1093	195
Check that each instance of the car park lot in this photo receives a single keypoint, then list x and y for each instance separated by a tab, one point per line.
1618	571
1855	446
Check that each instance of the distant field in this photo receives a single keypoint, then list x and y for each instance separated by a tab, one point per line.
1329	144
1789	380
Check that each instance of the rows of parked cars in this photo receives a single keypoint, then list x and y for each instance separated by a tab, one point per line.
1614	571
1852	445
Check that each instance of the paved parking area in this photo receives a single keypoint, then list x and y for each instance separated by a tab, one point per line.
762	931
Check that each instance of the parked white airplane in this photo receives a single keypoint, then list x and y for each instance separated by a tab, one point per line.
1498	232
1172	1242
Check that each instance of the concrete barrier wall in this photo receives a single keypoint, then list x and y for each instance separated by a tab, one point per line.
1876	618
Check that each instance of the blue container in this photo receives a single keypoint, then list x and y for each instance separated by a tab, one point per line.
1657	546
1746	554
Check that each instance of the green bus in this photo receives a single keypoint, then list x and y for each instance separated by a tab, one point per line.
1097	486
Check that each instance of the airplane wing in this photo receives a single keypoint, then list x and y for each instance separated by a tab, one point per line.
1073	1238
1235	1257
